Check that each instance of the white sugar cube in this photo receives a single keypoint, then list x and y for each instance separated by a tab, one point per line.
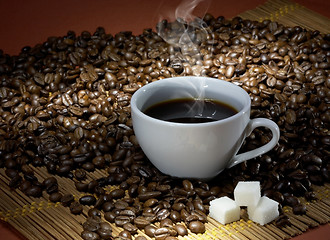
264	212
224	210
247	193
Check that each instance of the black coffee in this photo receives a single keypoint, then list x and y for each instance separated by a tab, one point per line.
190	110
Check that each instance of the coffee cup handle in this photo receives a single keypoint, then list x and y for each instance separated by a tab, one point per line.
254	123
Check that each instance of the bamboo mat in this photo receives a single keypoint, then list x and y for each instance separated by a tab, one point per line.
289	14
37	218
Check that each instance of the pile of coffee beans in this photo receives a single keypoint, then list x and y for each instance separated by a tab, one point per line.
65	107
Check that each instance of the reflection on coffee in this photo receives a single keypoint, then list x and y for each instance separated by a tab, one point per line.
190	110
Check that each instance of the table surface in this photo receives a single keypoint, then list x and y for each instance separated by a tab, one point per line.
27	23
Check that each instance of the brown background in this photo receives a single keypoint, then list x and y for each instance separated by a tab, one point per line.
30	22
27	23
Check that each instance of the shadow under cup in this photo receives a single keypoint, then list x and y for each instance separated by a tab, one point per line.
190	150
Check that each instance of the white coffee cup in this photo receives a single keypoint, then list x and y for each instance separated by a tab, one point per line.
196	150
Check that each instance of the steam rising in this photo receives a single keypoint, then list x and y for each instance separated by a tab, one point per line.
185	9
185	33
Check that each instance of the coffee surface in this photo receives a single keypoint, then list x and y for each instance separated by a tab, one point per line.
190	110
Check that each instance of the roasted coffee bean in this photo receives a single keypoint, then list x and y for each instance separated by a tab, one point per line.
163	188
88	235
196	227
282	185
49	181
88	166
16	181
120	204
198	204
67	199
313	159
55	197
140	238
187	185
92	224
121	220
181	229
100	201
150	202
166	222
147	195
121	238
11	172
94	212
184	214
145	171
99	191
282	221
124	185
202	193
201	216
299	209
133	180
126	234
175	216
63	170
30	177
312	169
163	214
141	222
191	218
130	228
76	208
10	164
298	188
107	206
310	196
189	206
110	216
275	195
81	187
34	191
157	208
52	188
105	230
316	179
80	174
171	238
92	185
150	216
152	186
25	185
87	200
117	193
150	230
180	192
161	233
129	213
178	206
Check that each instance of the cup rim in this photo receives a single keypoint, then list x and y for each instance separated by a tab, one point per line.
144	88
